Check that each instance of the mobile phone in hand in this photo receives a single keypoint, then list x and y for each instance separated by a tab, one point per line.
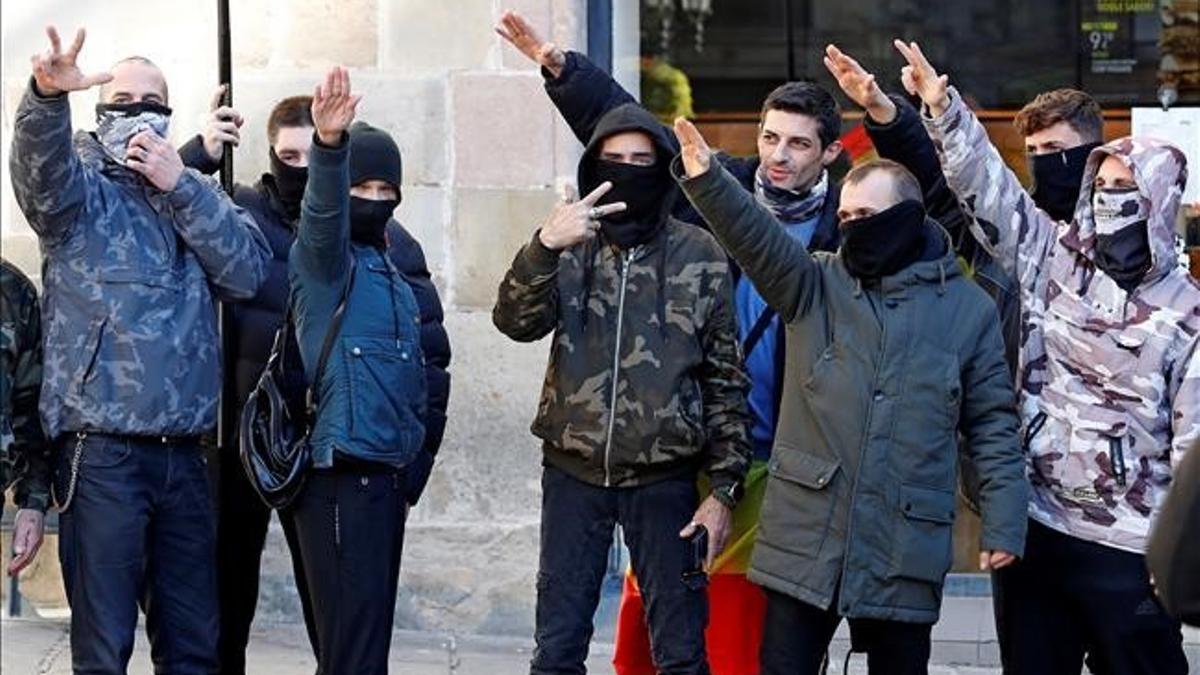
695	577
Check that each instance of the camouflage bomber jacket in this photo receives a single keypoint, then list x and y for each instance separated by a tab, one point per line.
645	379
23	449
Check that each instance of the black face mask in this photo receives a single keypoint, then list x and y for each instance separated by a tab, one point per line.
643	189
1125	255
1056	179
885	243
369	219
289	184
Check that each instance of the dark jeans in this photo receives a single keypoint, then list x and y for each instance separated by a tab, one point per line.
577	530
796	636
242	522
350	528
139	530
1069	597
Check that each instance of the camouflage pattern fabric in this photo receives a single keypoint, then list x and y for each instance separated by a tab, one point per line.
24	452
130	273
1109	381
627	400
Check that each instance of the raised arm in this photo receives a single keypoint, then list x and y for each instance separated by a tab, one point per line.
780	267
988	190
897	133
582	92
49	181
527	304
322	245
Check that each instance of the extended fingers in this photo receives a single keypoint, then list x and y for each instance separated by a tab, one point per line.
595	195
77	43
55	41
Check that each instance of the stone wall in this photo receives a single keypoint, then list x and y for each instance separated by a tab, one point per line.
484	157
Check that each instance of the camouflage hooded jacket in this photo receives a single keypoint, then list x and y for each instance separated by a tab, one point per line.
130	274
23	449
1109	381
645	379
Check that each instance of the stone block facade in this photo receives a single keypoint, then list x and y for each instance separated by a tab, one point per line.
484	158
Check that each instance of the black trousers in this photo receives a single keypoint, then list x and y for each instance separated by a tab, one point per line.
242	522
1069	598
350	528
577	530
796	636
139	531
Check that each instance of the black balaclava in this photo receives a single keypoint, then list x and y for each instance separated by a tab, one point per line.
1122	235
643	189
882	244
289	184
1056	179
373	156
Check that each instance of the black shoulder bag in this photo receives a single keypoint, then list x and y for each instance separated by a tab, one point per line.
274	445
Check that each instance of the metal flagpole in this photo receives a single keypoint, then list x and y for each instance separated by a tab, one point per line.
227	415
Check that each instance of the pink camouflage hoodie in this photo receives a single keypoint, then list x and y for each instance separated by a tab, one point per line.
1109	381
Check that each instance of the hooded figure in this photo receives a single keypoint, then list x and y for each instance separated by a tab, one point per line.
647	190
644	391
1109	387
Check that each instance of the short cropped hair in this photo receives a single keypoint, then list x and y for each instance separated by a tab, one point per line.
1079	110
146	62
808	98
904	184
293	111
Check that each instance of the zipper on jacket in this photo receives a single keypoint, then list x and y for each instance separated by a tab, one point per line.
1116	455
612	408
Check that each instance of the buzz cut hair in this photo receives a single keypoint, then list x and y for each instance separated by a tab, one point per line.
145	62
904	185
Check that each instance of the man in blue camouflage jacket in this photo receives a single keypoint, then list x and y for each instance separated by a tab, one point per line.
136	252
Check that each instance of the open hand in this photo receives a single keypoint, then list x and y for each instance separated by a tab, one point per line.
693	149
56	71
717	519
859	85
920	78
519	33
152	156
333	106
223	126
572	222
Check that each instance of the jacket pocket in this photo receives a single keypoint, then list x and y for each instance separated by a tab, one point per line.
799	506
924	534
89	356
387	394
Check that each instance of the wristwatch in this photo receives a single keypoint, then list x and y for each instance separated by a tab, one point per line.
729	495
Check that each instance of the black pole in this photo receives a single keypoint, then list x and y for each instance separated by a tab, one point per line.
788	22
226	412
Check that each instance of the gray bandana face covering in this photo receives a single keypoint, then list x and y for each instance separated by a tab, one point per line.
116	123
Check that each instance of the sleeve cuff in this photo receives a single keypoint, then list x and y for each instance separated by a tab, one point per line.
570	65
38	96
944	121
536	259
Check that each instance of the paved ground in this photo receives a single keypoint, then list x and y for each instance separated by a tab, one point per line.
965	636
33	646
